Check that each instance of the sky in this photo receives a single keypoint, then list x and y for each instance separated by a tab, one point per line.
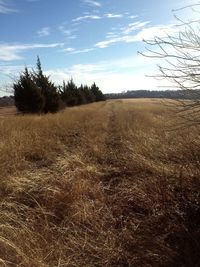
87	40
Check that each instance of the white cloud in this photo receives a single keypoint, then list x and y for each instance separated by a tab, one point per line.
155	31
5	9
133	17
86	50
92	3
106	43
110	15
44	32
111	35
112	76
11	69
134	26
144	34
92	17
70	50
97	17
70	34
12	52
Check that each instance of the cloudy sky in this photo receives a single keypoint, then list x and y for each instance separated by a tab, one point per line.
88	40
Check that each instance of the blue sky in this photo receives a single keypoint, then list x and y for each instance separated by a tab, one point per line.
88	40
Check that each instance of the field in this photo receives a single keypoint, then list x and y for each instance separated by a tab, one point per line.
7	111
112	183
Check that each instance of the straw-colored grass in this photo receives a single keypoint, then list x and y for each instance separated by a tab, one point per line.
105	184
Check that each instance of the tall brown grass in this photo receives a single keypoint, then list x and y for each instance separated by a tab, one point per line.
105	184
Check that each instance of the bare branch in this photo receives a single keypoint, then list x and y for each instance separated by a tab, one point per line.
181	53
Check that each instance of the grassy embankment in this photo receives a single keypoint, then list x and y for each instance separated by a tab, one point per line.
104	184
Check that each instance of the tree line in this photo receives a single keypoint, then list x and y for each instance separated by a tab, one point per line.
34	92
169	94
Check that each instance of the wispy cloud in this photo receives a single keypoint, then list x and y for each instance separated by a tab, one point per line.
134	26
149	33
45	31
92	3
133	17
111	35
116	32
91	17
106	43
12	52
126	36
110	15
11	69
69	33
71	50
97	17
5	9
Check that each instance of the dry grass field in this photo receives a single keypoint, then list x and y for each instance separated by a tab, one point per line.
105	184
7	111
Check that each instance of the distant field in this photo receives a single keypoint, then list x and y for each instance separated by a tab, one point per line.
8	111
106	184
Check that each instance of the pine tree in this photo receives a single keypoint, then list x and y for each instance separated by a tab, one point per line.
88	94
27	95
99	96
48	90
81	98
34	92
70	94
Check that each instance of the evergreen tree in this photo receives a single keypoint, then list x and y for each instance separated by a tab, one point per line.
48	90
88	94
81	96
99	96
67	93
27	95
70	94
34	92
